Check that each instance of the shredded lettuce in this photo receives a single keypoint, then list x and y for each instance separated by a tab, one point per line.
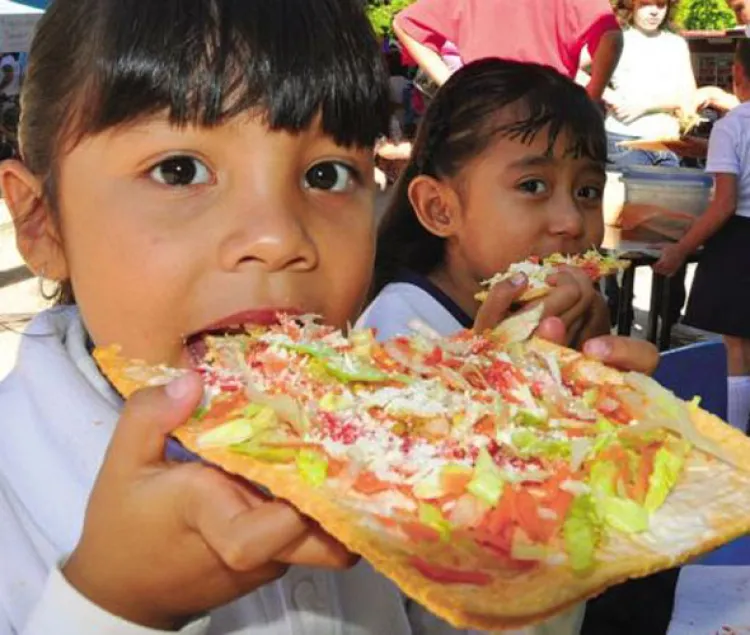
531	417
581	532
667	468
266	453
313	467
602	477
623	514
590	396
256	419
331	402
488	483
431	516
527	443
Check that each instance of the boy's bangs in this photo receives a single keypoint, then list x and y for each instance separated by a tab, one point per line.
205	61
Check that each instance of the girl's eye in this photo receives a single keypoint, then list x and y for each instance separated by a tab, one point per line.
590	193
181	171
534	186
330	176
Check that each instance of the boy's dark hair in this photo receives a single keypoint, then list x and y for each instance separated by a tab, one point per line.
97	64
625	11
742	55
463	120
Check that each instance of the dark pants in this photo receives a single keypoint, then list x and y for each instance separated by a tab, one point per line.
620	158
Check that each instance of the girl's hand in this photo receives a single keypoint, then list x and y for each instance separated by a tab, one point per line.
575	300
162	543
672	258
623	353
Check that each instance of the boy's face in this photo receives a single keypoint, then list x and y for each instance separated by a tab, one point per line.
518	202
168	231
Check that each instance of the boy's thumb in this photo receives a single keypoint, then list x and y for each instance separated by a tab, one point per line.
149	416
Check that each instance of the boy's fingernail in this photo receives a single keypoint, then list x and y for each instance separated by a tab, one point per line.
178	388
598	348
518	280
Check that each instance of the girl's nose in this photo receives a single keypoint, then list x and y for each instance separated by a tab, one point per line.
566	220
274	236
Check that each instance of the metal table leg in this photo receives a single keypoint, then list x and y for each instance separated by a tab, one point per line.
625	306
665	335
657	292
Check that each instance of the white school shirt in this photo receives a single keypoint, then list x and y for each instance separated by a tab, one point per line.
57	415
729	152
414	297
651	69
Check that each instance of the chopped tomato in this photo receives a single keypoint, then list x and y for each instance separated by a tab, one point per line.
485	426
223	406
387	521
367	483
335	467
434	357
503	376
639	486
455	483
419	532
499	543
447	575
383	361
502	515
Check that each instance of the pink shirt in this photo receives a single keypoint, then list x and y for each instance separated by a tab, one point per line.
550	32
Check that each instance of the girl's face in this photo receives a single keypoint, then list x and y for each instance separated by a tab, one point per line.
518	202
649	15
168	232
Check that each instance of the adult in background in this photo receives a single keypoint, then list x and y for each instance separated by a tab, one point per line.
551	32
653	85
652	88
719	300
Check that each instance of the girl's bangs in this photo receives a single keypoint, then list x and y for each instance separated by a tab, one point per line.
206	61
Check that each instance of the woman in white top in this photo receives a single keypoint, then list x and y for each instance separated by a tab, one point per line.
652	85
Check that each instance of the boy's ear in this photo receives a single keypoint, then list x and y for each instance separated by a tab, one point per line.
37	236
436	205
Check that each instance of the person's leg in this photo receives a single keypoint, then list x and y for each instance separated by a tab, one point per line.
738	387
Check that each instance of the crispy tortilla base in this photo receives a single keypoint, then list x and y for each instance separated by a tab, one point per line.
709	507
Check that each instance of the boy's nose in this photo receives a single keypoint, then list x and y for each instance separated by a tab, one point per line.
566	220
273	236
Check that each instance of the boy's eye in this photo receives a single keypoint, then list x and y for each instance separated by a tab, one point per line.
181	171
534	186
590	193
330	176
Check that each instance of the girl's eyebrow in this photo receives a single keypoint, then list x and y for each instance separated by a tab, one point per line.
532	160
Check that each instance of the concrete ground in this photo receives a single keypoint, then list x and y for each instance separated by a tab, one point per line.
20	295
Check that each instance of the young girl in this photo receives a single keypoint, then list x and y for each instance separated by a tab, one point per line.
187	164
508	163
718	300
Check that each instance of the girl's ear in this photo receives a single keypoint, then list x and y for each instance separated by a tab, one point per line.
436	205
37	236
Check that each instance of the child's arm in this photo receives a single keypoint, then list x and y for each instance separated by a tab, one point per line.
423	28
163	543
725	161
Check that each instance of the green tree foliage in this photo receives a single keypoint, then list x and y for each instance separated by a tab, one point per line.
381	13
705	15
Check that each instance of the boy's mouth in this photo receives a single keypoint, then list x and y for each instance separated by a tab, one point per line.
233	324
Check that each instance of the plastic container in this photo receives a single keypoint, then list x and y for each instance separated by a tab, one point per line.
662	203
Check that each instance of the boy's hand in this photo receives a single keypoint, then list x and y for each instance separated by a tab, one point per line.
623	353
162	543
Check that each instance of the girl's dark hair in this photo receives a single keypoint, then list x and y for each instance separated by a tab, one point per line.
468	114
625	10
97	64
